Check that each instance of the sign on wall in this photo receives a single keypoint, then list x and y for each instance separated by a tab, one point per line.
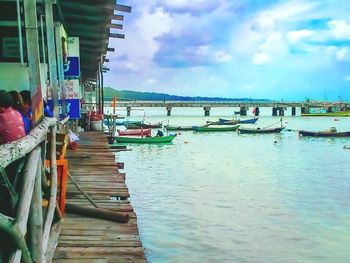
72	105
72	67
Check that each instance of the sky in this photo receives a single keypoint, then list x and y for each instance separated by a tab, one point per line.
290	50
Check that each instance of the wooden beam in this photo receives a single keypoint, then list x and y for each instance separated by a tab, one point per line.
122	8
115	26
114	35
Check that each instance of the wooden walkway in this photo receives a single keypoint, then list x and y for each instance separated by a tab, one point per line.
86	239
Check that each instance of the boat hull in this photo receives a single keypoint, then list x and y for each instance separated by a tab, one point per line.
157	139
327	114
261	131
136	132
142	125
324	134
214	129
178	128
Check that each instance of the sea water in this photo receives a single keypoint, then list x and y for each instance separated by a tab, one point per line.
226	197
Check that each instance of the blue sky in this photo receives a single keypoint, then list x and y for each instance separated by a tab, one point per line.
288	50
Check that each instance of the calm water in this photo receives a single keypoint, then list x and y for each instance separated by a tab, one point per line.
224	197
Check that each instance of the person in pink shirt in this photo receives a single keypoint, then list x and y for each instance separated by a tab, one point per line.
11	122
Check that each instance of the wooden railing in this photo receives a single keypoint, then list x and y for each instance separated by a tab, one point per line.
31	224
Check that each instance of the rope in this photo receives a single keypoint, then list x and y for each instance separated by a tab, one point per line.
82	191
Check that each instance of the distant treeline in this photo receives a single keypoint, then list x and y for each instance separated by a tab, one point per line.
110	93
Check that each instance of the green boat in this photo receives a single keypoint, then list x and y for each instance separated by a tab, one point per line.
178	128
214	129
327	114
156	139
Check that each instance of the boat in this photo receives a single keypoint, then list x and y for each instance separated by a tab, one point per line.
327	114
247	121
214	129
155	139
330	133
178	128
121	123
142	125
136	132
260	131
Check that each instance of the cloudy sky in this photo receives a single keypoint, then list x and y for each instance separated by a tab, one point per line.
235	48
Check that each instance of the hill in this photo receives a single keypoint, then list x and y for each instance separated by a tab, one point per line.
109	93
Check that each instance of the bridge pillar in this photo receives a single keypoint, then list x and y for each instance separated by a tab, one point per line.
128	110
280	111
168	110
256	111
274	111
243	111
206	111
293	111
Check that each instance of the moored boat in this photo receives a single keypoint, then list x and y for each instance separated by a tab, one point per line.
214	129
324	133
246	121
120	123
178	128
136	132
260	131
155	139
142	125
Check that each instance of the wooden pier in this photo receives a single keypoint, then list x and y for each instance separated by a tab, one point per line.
85	239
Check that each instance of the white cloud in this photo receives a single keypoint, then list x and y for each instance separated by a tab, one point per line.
151	81
283	12
341	53
221	56
347	78
295	36
260	58
340	29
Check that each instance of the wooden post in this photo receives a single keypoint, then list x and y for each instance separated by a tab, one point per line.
52	56
59	55
23	207
36	218
53	190
33	59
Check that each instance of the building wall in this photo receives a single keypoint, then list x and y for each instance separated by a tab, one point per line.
14	76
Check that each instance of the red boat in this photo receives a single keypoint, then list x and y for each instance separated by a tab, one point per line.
135	132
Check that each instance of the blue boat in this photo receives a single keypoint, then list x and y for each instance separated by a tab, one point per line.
228	122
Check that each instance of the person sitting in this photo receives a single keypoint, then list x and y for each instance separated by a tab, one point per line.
11	122
18	105
159	133
27	100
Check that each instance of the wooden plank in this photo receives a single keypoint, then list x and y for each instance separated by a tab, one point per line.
85	239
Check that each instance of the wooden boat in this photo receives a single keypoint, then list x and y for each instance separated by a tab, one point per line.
260	131
155	139
178	128
324	133
247	121
327	114
120	123
136	132
142	125
214	129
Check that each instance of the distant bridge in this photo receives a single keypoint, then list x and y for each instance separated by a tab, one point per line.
278	107
139	103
